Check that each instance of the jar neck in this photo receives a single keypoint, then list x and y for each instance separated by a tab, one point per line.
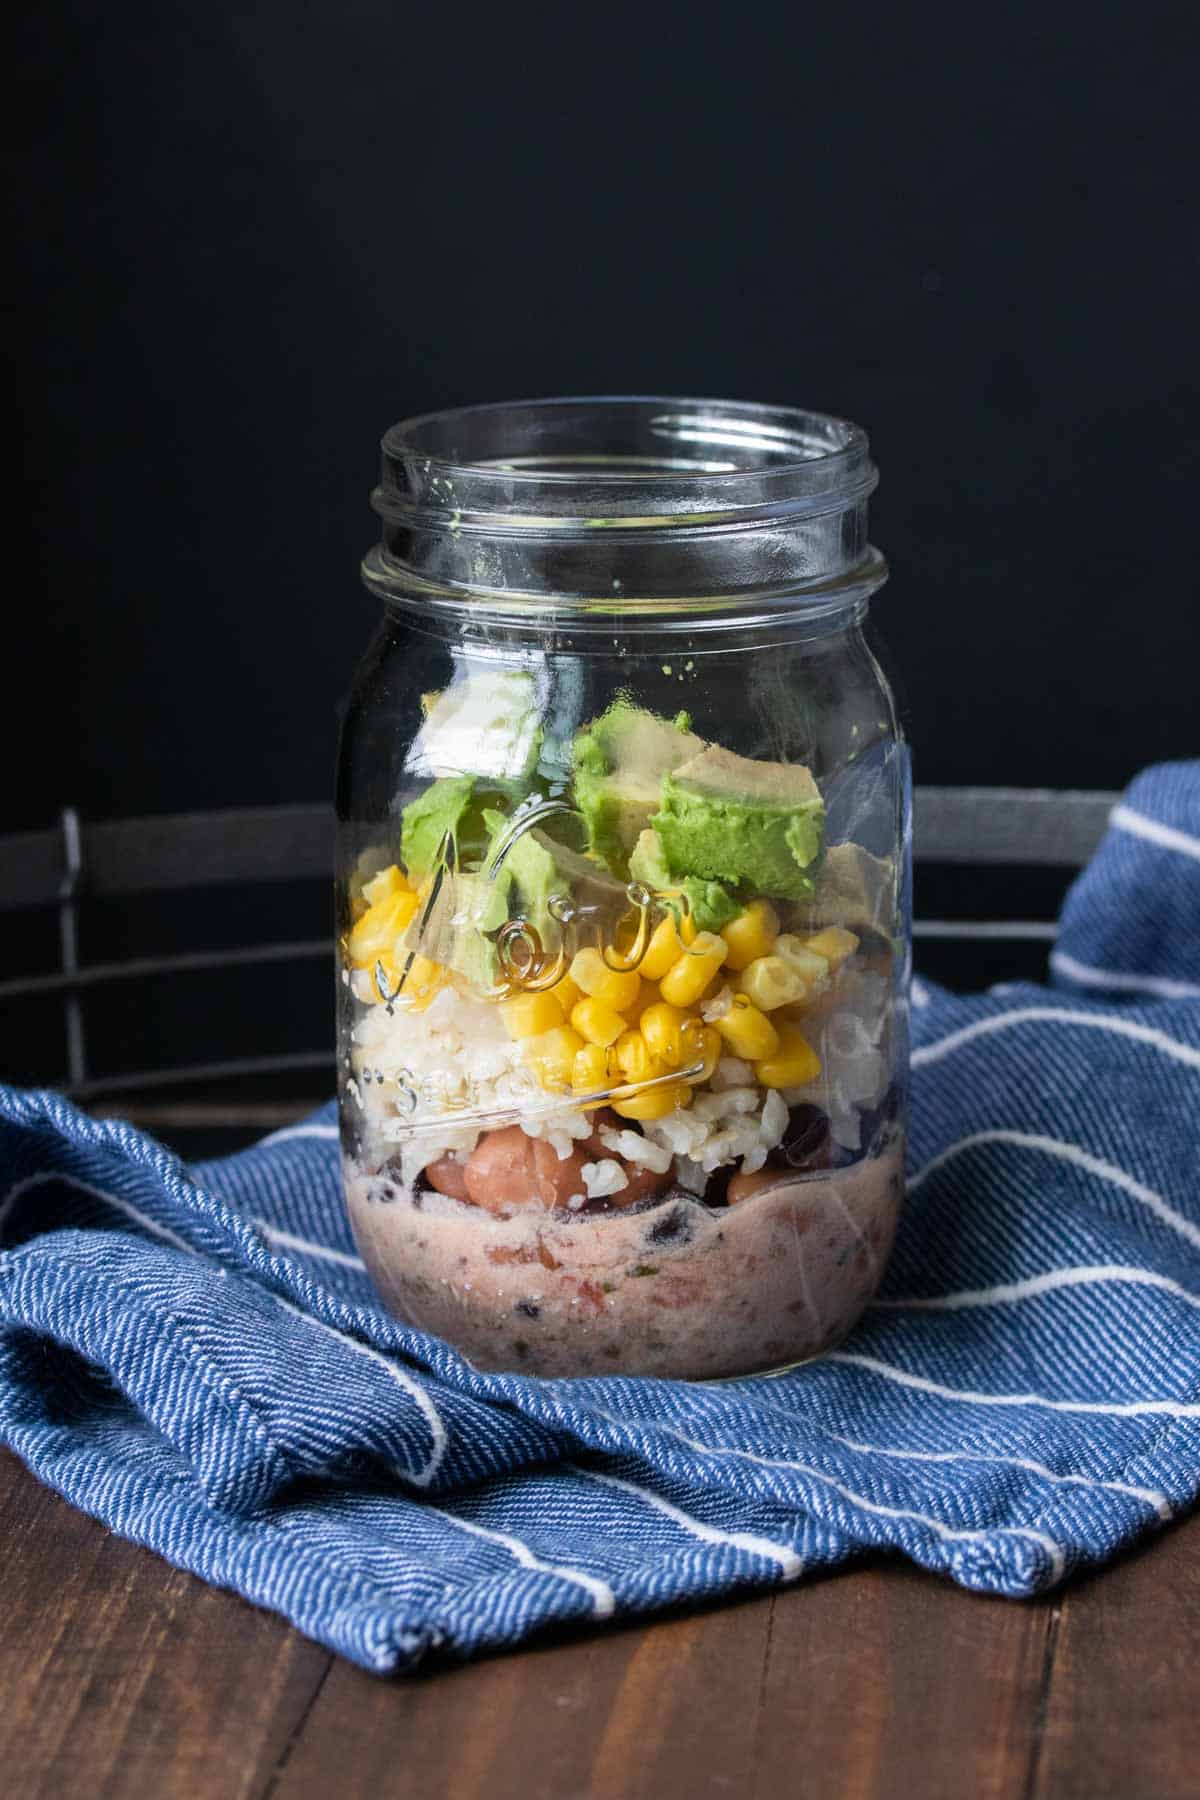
637	508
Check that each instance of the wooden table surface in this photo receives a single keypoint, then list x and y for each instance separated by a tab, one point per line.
121	1676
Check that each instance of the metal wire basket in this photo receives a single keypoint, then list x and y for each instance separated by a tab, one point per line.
79	864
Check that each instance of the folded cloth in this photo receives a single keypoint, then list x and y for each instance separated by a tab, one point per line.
194	1355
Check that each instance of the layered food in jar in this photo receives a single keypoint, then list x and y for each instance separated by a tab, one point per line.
622	1082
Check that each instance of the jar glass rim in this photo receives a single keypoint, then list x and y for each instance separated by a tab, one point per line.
642	457
607	503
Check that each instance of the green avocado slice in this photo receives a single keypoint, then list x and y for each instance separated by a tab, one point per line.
742	823
426	820
855	890
516	882
618	764
711	905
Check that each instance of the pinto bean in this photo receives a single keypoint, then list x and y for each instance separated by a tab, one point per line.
507	1170
744	1186
642	1182
448	1176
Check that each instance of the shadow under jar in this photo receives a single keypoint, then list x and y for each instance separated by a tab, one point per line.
623	890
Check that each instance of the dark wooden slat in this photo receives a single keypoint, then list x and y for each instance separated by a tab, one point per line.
32	867
187	1074
1122	1706
288	843
1027	826
190	962
176	850
188	1115
121	1676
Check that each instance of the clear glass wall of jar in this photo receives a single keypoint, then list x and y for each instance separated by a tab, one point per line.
623	890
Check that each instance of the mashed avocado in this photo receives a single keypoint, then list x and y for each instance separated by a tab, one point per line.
737	821
619	761
711	906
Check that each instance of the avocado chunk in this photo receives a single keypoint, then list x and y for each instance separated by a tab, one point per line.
741	822
525	876
426	820
452	926
550	886
711	906
854	890
619	761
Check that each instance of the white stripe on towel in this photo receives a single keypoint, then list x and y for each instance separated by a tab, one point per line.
1070	1153
1062	1015
937	1526
603	1599
791	1564
285	1240
1123	1409
1152	1496
1124	818
297	1131
1117	981
433	1418
1085	1275
86	1187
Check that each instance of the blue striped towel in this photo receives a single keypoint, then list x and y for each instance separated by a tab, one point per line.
194	1356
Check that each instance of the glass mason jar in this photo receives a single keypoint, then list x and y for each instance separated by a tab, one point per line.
623	890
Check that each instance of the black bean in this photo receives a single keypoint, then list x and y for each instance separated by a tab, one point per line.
805	1140
675	1227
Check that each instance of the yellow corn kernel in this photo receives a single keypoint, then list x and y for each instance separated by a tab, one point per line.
590	1071
690	974
655	1102
641	1006
385	886
769	982
596	1021
566	993
701	1045
748	1032
834	944
379	927
793	1064
751	934
618	988
662	1027
552	1055
812	969
527	1015
667	941
635	1059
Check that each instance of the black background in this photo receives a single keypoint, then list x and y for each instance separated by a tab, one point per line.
248	240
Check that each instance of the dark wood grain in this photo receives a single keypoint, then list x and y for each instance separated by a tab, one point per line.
603	1716
878	1683
889	1683
1122	1703
122	1677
